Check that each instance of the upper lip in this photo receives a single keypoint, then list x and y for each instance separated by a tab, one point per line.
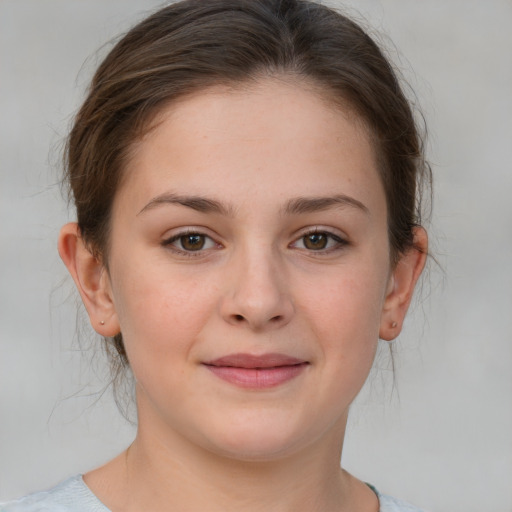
255	361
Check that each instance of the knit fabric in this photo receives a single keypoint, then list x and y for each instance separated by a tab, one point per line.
73	495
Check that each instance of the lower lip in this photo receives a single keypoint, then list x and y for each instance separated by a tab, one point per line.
257	378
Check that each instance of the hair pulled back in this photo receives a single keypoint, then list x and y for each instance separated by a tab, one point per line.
190	45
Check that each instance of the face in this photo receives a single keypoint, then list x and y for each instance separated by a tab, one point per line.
249	269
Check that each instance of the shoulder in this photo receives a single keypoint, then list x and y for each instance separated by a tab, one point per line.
72	495
390	504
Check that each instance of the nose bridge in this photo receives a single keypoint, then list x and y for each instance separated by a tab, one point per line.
258	294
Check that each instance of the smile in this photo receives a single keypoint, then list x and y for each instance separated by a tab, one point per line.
257	372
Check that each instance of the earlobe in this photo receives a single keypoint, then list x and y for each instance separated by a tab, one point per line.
401	286
91	279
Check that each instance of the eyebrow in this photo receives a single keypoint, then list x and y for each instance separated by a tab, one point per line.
315	204
299	205
198	203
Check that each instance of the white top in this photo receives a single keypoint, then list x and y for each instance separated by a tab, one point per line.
73	495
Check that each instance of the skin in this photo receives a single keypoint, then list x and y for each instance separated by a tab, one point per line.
262	156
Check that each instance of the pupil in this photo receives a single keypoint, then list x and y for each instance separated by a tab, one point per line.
192	242
316	241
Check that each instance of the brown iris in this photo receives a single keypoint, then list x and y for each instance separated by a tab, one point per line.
315	241
192	242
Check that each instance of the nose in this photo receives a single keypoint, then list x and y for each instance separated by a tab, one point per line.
257	292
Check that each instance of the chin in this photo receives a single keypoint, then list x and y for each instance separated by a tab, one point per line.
257	450
256	442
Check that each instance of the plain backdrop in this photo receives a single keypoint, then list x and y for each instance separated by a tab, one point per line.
441	437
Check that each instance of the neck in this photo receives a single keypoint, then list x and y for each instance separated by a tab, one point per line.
195	479
163	471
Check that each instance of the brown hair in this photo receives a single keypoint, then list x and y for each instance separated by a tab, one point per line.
190	45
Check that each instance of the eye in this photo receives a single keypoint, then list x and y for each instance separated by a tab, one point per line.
319	241
190	242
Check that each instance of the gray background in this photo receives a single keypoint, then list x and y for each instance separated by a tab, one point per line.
441	437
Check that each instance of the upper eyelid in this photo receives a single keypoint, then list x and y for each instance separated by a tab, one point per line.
337	233
189	230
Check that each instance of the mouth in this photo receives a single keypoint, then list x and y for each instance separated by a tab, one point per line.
257	372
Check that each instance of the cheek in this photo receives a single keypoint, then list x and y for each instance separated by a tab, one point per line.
347	301
160	312
344	311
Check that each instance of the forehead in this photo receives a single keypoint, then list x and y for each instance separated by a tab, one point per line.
239	140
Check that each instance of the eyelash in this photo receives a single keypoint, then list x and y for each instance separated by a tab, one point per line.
188	233
336	243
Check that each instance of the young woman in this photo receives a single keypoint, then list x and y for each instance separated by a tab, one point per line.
247	177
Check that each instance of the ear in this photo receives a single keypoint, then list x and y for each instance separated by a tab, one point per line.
401	285
91	279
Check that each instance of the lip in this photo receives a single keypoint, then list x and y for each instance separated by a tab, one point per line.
256	371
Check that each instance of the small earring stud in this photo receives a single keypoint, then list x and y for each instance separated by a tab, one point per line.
394	324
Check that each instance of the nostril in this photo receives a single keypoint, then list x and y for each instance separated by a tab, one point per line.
274	319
